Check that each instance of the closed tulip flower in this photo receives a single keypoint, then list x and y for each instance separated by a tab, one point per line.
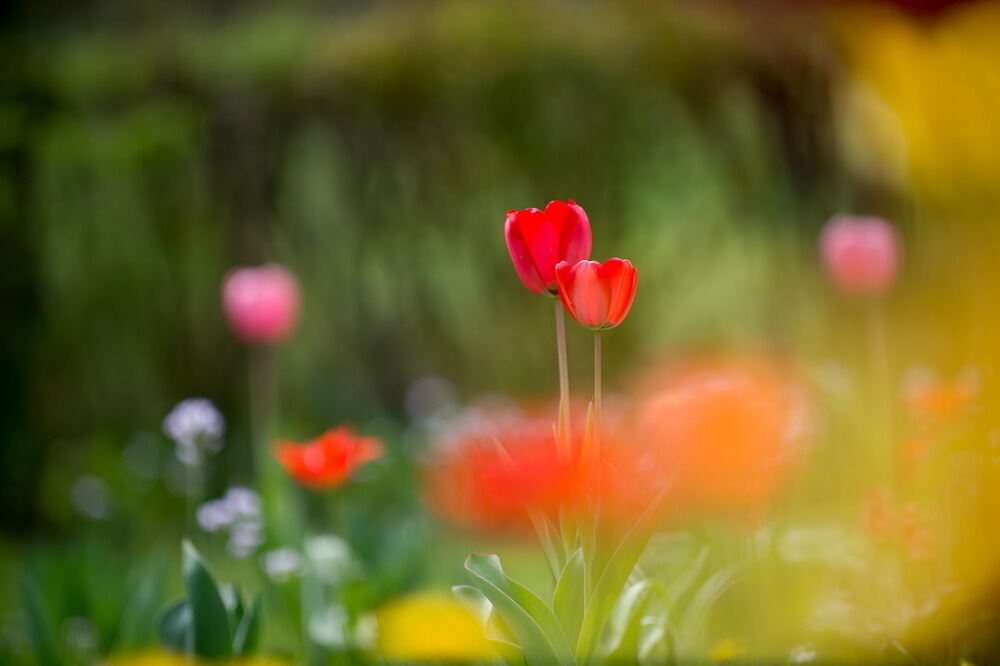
860	254
598	295
262	303
540	239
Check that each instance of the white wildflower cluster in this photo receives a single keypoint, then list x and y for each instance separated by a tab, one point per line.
281	564
237	513
196	427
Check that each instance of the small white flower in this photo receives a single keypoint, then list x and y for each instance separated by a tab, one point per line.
330	557
328	627
245	537
237	513
243	502
281	564
214	516
195	425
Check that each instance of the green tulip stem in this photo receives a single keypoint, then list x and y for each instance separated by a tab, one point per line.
563	426
597	395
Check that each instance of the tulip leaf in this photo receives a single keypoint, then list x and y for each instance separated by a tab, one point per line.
139	617
569	598
473	599
175	628
248	630
39	627
508	651
691	625
210	618
544	532
613	578
530	620
682	583
625	624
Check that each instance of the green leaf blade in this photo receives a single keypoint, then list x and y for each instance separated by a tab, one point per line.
531	621
569	599
210	619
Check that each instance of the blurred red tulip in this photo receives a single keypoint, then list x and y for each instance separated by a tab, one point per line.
473	482
860	254
597	295
539	239
493	466
328	460
261	304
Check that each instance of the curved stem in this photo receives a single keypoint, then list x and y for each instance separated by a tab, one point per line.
563	426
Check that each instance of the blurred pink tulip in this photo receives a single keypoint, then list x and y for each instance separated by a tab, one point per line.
261	304
860	254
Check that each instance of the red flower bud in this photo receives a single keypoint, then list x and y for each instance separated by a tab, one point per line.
540	239
598	295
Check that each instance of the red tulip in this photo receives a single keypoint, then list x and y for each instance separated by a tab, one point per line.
598	295
540	239
328	460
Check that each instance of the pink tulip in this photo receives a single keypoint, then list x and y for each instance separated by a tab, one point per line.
860	254
261	304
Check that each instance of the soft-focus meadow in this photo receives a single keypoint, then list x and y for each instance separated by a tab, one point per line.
797	453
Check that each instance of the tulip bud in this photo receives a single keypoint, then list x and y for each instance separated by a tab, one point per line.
261	304
860	254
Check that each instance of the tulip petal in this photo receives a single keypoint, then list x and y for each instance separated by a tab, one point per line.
589	294
623	279
574	230
520	254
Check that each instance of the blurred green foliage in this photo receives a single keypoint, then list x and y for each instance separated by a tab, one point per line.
374	149
375	153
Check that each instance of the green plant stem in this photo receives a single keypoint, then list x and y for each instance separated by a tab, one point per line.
563	426
261	395
597	397
878	358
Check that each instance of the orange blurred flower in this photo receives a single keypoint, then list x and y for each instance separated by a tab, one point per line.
724	430
913	452
328	460
879	516
887	523
929	397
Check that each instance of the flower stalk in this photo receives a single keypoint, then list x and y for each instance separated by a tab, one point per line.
563	427
597	395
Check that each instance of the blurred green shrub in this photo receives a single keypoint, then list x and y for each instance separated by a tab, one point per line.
375	153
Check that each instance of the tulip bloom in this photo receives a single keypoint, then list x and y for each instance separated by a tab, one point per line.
328	460
860	254
597	295
261	304
726	430
539	239
472	483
